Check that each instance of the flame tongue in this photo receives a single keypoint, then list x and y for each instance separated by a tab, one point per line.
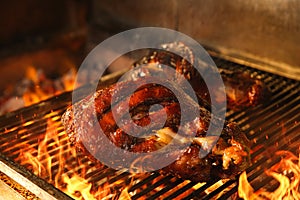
78	184
49	161
35	87
245	190
286	172
44	87
52	166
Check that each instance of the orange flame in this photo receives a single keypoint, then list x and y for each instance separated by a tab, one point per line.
49	160
41	162
289	187
77	184
44	88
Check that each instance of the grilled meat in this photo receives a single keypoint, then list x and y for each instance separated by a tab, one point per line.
226	159
149	127
242	90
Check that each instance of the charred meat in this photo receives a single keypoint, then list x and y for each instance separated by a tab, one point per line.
227	154
242	90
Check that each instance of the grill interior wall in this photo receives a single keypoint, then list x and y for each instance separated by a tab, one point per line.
262	36
274	126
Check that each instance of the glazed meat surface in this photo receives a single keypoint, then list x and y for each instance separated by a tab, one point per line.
225	158
242	90
226	154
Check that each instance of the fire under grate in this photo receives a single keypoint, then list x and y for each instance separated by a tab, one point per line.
271	127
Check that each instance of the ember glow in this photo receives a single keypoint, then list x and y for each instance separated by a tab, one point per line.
43	87
36	86
286	173
55	160
48	161
50	155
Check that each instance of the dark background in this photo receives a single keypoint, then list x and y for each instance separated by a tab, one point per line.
264	32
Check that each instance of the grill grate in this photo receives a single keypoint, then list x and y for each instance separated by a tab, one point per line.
271	127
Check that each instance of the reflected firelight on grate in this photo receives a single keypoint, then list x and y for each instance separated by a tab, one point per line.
286	173
50	160
34	137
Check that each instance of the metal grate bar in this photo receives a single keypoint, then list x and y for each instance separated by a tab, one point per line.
267	109
180	191
29	126
219	189
288	104
166	189
144	181
275	139
162	181
200	190
266	164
